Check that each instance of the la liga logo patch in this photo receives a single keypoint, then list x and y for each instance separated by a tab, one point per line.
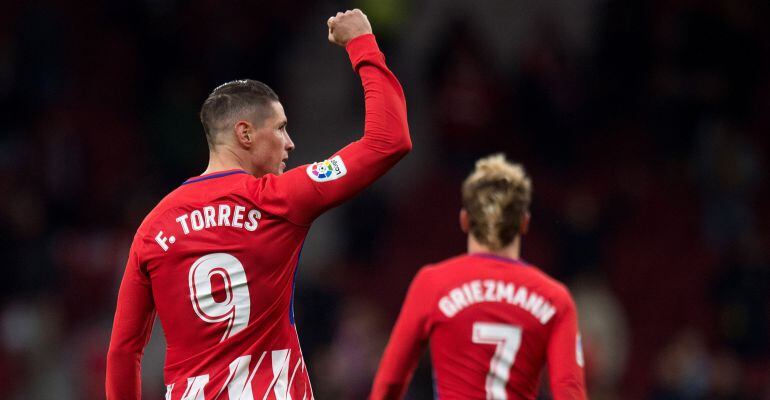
327	170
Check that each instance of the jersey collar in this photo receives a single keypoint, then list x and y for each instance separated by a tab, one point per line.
500	258
214	175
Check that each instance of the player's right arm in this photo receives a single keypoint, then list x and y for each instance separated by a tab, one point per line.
565	356
131	330
406	344
299	195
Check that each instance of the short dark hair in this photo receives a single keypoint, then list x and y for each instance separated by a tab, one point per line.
228	100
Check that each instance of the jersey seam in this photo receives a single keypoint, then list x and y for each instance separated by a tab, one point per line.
223	174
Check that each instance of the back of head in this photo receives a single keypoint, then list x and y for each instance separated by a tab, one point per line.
496	197
232	101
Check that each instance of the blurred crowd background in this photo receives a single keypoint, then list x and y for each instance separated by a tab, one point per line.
644	125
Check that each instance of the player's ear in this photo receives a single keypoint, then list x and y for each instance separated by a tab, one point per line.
244	133
524	228
465	224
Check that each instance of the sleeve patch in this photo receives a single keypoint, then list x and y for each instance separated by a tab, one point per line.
579	351
327	170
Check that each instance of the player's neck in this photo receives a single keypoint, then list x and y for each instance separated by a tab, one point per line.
225	159
511	251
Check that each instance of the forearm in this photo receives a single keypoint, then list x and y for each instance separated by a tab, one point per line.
123	375
406	344
565	357
385	128
302	194
400	358
131	328
124	357
396	368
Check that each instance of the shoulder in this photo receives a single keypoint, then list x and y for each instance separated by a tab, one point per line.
167	203
554	289
271	189
162	216
548	280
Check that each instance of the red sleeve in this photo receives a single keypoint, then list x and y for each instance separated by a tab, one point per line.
303	193
565	356
407	342
131	330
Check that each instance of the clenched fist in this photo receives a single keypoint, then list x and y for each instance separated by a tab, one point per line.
346	26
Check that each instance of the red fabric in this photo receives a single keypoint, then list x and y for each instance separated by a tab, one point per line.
461	350
256	352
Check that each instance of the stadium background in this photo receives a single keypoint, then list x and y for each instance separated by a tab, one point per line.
644	125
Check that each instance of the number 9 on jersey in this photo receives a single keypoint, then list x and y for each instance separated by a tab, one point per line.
235	307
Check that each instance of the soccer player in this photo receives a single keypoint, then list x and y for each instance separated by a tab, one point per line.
492	320
217	257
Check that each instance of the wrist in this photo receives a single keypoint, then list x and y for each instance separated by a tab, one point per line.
361	46
363	40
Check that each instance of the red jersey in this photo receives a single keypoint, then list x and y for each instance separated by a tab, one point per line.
216	259
492	323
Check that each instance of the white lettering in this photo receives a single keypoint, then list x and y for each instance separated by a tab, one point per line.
546	313
238	216
468	294
533	303
490	290
208	213
182	219
196	218
476	289
489	293
251	225
447	307
162	241
458	298
505	291
211	216
224	215
521	297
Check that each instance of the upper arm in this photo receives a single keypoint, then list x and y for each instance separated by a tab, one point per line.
131	330
303	193
406	344
565	355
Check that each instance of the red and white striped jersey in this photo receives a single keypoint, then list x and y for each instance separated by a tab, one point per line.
493	323
216	260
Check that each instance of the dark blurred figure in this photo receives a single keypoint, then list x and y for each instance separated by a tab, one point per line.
467	98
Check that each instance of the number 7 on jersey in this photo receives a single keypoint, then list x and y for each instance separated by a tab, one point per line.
508	340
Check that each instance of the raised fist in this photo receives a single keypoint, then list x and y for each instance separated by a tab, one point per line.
343	27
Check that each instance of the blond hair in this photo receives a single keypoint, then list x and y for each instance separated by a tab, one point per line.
496	196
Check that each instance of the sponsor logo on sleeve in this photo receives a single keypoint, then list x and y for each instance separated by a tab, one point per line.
327	170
